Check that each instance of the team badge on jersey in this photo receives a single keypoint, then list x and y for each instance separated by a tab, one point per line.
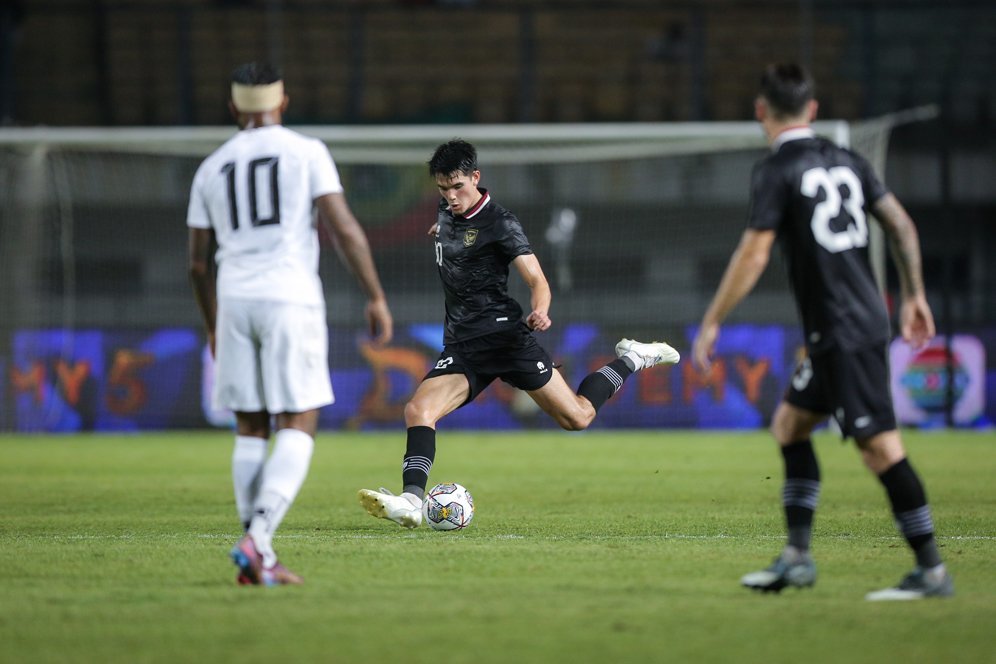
470	237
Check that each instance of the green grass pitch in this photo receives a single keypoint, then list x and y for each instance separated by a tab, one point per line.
592	547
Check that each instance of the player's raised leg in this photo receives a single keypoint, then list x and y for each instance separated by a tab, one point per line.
575	411
632	356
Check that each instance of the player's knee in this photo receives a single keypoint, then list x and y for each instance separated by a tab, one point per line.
568	424
417	414
578	420
787	427
881	451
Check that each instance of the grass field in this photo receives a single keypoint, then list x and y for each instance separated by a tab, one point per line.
595	547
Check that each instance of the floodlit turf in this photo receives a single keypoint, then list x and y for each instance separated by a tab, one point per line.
594	547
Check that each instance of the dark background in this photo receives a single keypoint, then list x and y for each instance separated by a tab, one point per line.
67	63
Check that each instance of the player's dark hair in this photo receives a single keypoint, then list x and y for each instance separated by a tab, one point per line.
454	156
255	73
787	88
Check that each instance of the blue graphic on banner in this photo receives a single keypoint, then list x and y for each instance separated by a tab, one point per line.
746	354
431	335
923	380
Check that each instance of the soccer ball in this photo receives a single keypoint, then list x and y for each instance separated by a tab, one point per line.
448	507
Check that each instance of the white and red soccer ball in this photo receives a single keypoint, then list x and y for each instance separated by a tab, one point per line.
448	506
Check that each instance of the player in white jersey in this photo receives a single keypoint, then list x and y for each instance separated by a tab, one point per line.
264	311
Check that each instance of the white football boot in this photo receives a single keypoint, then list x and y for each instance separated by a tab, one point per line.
405	510
797	570
918	584
647	355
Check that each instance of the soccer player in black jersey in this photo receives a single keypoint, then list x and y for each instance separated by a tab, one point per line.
813	197
486	337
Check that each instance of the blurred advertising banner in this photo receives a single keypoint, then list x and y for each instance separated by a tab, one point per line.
133	380
100	380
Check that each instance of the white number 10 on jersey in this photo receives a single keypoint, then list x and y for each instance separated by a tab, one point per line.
831	181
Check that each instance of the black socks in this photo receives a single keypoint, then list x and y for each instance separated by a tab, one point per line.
909	506
801	491
598	386
419	455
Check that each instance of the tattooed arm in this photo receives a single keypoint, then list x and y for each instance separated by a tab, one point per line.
916	320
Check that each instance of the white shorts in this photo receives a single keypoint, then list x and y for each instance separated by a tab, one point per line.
271	356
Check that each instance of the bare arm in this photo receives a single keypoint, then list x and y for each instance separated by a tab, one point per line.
354	250
199	242
916	319
529	268
744	269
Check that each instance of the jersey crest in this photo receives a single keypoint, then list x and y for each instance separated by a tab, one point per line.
470	237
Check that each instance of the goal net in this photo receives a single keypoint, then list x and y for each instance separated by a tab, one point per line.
633	223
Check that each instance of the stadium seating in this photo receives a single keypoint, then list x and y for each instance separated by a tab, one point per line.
163	63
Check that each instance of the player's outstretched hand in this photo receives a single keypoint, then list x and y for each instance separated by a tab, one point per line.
538	321
917	321
704	346
380	321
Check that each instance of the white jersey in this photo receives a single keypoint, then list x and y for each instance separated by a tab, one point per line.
257	192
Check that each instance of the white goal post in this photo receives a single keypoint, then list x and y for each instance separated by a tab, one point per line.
684	182
634	224
501	144
683	186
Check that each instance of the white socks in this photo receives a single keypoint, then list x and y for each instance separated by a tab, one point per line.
282	476
247	464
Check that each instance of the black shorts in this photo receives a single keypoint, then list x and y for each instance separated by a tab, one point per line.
853	387
512	355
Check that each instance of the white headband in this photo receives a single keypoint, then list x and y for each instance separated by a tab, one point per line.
257	98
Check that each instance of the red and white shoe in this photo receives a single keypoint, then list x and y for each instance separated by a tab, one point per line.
248	560
278	575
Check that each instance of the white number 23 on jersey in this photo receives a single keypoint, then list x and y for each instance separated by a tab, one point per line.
831	181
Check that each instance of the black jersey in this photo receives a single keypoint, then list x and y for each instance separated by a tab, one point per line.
473	252
816	196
